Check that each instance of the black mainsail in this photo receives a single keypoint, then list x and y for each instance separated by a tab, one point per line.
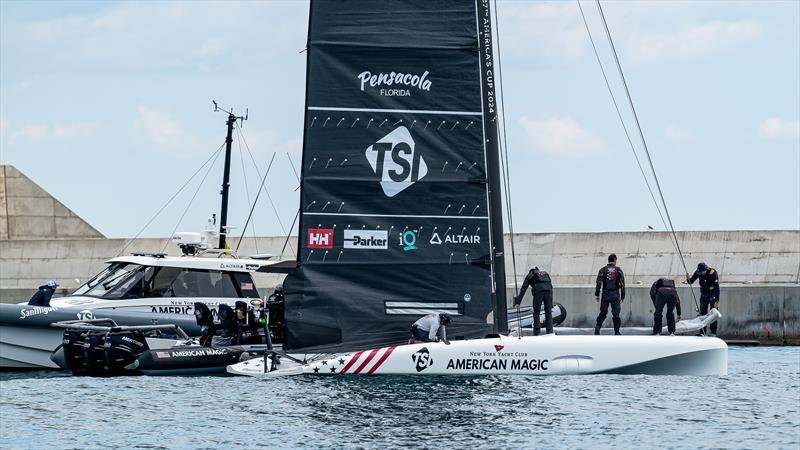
400	199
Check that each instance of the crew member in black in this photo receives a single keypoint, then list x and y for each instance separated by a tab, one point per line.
42	296
709	291
542	291
662	293
612	281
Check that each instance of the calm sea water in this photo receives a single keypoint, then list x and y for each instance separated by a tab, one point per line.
756	406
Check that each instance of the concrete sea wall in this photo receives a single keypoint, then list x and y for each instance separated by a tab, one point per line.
760	271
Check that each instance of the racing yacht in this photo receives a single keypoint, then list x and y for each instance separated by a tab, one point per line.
401	211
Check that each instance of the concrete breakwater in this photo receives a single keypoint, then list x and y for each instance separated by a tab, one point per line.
759	271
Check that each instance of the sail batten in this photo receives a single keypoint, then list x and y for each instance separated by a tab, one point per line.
395	198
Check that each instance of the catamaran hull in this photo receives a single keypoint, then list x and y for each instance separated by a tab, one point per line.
540	355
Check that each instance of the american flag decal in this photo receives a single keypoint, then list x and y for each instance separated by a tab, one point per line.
247	286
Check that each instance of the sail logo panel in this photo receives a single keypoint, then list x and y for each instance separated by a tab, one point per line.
394	173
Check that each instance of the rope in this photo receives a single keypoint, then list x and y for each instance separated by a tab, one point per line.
504	149
211	166
269	197
261	188
621	120
644	144
186	183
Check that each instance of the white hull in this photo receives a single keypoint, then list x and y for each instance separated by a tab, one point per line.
540	355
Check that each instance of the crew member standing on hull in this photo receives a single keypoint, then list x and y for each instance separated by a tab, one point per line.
663	293
612	281
709	291
542	291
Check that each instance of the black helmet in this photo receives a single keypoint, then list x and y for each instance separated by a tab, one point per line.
702	268
444	319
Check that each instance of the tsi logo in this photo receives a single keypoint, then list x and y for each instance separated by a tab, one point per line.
320	238
422	359
366	239
395	161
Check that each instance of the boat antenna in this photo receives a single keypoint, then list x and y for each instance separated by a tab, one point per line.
226	175
641	137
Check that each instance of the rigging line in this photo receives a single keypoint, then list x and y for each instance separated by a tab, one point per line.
288	235
644	144
269	197
186	183
247	193
293	168
504	149
260	189
621	120
188	205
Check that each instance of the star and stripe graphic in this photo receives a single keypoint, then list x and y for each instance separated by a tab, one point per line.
366	362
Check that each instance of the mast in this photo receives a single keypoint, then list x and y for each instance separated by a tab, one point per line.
226	174
490	111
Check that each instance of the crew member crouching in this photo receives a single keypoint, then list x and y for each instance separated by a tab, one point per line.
662	293
430	328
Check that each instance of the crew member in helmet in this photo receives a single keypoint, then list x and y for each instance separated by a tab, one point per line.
542	291
277	315
612	281
44	294
709	291
663	293
430	328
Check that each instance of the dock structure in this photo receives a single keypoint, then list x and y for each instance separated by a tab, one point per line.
40	239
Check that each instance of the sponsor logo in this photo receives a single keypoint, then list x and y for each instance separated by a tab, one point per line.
455	239
85	315
36	311
394	159
366	239
408	239
172	309
199	352
467	297
486	360
231	266
422	359
395	84
131	341
251	266
320	238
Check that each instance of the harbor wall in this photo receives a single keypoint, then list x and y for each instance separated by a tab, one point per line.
759	270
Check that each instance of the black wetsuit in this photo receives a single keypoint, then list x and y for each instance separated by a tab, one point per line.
542	291
612	282
709	292
663	293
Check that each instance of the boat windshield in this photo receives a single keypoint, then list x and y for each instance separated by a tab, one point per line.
130	281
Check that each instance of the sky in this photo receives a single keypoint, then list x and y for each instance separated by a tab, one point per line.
108	106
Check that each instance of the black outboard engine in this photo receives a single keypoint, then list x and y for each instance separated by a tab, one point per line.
101	353
227	324
246	325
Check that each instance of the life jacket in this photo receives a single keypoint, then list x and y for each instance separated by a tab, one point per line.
611	280
540	276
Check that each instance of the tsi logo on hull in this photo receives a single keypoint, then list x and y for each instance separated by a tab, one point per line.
320	238
366	239
422	359
395	161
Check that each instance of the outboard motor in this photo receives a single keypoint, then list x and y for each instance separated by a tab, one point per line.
246	325
227	325
100	353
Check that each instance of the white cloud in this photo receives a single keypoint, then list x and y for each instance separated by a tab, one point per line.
164	129
41	133
691	41
559	136
775	127
676	134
